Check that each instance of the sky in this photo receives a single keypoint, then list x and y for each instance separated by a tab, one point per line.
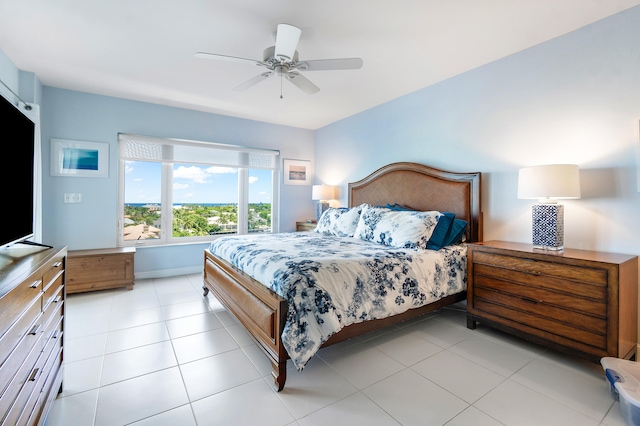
193	184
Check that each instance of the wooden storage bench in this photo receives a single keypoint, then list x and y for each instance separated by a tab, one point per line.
100	269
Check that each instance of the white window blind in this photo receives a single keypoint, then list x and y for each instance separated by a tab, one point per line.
146	148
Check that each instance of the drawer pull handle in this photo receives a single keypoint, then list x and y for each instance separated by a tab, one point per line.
54	335
57	264
34	330
57	299
528	299
36	284
33	375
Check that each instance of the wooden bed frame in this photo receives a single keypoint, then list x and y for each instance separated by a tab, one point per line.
262	312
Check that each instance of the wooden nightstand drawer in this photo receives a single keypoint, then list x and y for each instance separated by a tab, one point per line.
577	301
540	289
306	226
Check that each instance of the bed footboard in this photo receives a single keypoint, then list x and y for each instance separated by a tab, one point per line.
261	311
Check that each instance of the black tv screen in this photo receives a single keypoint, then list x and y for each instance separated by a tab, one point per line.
17	174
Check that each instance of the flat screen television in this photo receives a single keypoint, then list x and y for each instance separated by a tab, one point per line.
17	174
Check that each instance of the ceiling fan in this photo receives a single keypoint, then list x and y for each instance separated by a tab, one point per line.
282	60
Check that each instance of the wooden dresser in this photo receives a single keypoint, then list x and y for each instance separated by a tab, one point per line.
576	301
100	269
32	293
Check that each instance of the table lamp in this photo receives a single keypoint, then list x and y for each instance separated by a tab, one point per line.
322	193
549	183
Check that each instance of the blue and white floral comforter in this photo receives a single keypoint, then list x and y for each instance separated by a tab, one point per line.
330	282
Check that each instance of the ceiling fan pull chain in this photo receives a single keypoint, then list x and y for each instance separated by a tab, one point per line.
281	87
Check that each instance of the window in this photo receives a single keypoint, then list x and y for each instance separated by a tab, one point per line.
177	191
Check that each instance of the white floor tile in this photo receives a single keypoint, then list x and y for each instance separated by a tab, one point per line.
514	404
574	388
495	356
193	324
363	365
231	407
315	387
217	373
356	409
75	410
407	347
202	345
181	416
413	400
119	320
179	310
136	399
458	375
136	362
81	376
133	337
79	348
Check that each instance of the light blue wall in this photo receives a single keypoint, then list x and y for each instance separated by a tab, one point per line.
92	224
574	99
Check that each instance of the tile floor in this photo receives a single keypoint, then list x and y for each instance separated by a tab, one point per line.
162	354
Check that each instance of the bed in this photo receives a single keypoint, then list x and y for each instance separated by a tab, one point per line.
264	313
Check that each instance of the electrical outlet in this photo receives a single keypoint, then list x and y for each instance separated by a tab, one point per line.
72	198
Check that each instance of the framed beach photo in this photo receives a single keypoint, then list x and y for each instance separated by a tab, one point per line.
79	158
297	172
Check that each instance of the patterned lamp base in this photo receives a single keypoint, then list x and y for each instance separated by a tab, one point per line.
320	208
548	226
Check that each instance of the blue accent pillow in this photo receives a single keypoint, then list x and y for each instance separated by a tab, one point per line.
440	235
456	236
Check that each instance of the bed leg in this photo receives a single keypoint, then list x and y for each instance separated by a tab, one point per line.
205	290
279	374
471	323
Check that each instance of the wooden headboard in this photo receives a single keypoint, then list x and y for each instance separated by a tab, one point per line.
423	188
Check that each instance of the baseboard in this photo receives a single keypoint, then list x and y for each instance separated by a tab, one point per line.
162	273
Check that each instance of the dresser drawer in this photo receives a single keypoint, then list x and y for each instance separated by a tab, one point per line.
28	322
544	267
53	270
52	291
542	290
543	320
15	301
19	389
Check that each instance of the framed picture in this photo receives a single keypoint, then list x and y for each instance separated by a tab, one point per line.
79	159
297	172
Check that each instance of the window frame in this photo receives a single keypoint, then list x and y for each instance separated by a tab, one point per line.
166	197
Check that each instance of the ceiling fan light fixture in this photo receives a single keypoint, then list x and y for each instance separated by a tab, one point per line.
287	37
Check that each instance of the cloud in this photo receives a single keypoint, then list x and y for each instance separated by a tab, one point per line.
253	179
180	186
194	173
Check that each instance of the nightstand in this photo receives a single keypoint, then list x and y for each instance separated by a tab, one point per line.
305	226
576	301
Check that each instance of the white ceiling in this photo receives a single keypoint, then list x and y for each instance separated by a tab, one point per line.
144	49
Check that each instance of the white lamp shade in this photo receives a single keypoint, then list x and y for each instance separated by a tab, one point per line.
550	181
323	192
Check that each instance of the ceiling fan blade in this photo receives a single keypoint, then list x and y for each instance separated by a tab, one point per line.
217	57
287	37
330	64
302	83
253	81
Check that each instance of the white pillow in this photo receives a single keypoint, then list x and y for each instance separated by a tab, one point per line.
404	229
340	222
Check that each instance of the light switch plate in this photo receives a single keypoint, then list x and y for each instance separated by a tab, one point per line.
72	198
